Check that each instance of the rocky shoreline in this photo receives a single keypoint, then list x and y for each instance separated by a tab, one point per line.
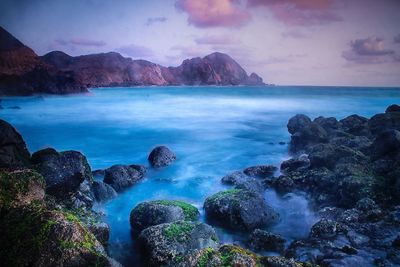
350	170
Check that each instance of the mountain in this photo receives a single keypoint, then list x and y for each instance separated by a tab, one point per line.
22	72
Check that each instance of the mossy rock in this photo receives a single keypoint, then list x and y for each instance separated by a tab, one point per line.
169	244
155	212
239	209
20	187
35	236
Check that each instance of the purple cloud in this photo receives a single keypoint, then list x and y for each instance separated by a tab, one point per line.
369	51
135	51
214	13
300	12
295	35
151	21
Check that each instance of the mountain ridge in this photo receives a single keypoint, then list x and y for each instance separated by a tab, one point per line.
23	72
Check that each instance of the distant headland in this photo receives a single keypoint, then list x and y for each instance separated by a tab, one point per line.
23	72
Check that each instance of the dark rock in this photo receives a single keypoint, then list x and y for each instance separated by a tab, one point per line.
308	135
122	176
262	171
243	181
355	125
156	212
282	143
20	188
102	191
13	151
161	156
386	143
239	209
298	123
366	204
101	231
64	172
326	229
166	244
295	164
396	242
393	108
263	240
329	124
380	123
283	184
361	143
98	173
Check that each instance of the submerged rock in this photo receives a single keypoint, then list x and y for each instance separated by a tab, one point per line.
239	209
13	151
63	171
122	176
161	156
102	191
243	181
167	244
156	212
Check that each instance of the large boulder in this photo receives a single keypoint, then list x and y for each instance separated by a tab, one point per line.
239	209
156	212
13	151
355	125
63	171
297	123
102	191
35	236
330	124
382	122
121	177
20	188
161	156
167	244
386	144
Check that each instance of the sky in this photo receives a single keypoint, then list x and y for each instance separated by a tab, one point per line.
286	42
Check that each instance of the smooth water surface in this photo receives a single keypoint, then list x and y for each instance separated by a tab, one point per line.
213	130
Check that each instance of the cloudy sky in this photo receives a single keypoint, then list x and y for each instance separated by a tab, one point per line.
303	42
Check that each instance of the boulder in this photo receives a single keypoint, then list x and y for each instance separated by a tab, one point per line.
121	177
167	244
355	125
392	108
261	171
161	156
243	181
266	241
20	188
63	171
297	123
326	229
35	236
101	231
329	124
295	164
386	143
308	135
156	212
239	209
102	191
13	151
380	123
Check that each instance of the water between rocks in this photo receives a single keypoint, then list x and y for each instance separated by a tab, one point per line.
213	130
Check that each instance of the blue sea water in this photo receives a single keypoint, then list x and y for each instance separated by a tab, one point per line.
213	130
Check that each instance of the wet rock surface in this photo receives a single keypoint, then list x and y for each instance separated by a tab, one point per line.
161	156
121	177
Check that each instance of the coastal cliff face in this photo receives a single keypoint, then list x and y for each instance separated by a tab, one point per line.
22	72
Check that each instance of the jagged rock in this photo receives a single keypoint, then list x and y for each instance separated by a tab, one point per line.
120	177
167	244
63	171
161	156
13	151
102	191
156	212
263	240
239	209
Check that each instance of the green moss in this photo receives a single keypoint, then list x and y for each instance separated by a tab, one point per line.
191	212
226	193
179	231
206	256
16	183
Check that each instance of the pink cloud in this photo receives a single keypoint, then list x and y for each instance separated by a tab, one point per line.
300	12
214	13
